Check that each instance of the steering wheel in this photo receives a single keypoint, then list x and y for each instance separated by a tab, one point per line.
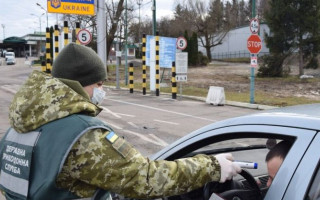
240	194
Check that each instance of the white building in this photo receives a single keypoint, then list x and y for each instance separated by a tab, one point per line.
234	45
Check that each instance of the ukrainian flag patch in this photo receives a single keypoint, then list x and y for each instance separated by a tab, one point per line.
112	137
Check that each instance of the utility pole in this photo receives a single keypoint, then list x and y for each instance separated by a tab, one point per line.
139	2
126	43
252	68
154	24
102	31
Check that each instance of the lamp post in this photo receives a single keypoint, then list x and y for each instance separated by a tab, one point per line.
45	11
40	28
3	26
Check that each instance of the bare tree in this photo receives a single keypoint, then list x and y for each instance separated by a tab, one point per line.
208	21
114	13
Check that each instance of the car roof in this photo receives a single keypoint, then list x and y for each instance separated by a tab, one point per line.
301	116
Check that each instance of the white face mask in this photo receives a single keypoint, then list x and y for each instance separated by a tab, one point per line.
98	96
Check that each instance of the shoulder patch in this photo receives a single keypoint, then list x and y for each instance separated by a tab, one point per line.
112	137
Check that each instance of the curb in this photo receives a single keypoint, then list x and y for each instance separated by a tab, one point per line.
229	103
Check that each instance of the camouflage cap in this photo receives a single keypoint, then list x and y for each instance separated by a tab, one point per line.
79	63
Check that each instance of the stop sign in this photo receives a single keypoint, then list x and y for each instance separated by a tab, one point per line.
254	44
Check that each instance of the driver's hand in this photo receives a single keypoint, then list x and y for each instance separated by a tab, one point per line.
228	168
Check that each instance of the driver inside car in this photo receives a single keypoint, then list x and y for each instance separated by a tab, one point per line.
275	158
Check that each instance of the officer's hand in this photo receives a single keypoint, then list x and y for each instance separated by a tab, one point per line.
228	168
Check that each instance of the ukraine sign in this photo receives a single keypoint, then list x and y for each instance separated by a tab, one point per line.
77	7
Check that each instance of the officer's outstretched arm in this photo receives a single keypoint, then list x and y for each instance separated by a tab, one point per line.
109	162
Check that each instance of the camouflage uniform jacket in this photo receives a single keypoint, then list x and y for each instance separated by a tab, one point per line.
95	162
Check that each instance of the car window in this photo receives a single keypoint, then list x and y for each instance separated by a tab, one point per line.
314	192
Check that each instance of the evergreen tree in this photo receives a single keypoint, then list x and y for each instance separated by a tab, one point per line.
294	27
194	49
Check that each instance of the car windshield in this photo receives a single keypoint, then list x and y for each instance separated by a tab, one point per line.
10	54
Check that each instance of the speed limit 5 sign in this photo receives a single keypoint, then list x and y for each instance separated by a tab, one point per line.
84	36
181	43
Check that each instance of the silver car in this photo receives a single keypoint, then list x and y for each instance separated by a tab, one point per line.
247	138
10	60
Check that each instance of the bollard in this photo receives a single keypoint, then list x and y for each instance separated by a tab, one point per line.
144	67
173	81
65	30
77	31
48	55
56	41
157	66
131	77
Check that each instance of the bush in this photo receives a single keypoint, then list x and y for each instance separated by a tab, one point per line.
313	63
202	59
271	66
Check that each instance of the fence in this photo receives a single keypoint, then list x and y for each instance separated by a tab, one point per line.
234	54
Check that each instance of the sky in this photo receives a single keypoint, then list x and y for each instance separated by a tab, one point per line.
21	17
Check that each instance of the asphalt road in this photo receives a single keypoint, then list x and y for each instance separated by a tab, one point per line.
148	122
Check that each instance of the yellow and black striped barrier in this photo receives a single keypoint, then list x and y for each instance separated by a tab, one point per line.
66	31
77	31
56	41
48	55
173	81
144	67
131	78
157	66
43	66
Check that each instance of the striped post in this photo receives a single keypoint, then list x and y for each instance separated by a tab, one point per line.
66	31
144	67
51	30
77	31
157	66
131	77
48	55
56	41
43	66
173	81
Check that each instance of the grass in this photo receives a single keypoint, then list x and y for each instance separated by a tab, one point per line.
261	97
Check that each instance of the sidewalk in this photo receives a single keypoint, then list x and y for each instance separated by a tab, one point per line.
229	103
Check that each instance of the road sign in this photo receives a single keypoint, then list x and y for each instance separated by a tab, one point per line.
254	60
77	7
181	78
181	43
167	51
181	66
84	36
254	26
118	53
254	44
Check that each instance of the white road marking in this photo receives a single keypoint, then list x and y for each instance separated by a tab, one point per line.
6	88
114	126
109	111
162	110
132	124
144	137
125	115
162	142
173	123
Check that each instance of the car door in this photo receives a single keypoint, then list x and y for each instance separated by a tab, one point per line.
277	190
305	173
